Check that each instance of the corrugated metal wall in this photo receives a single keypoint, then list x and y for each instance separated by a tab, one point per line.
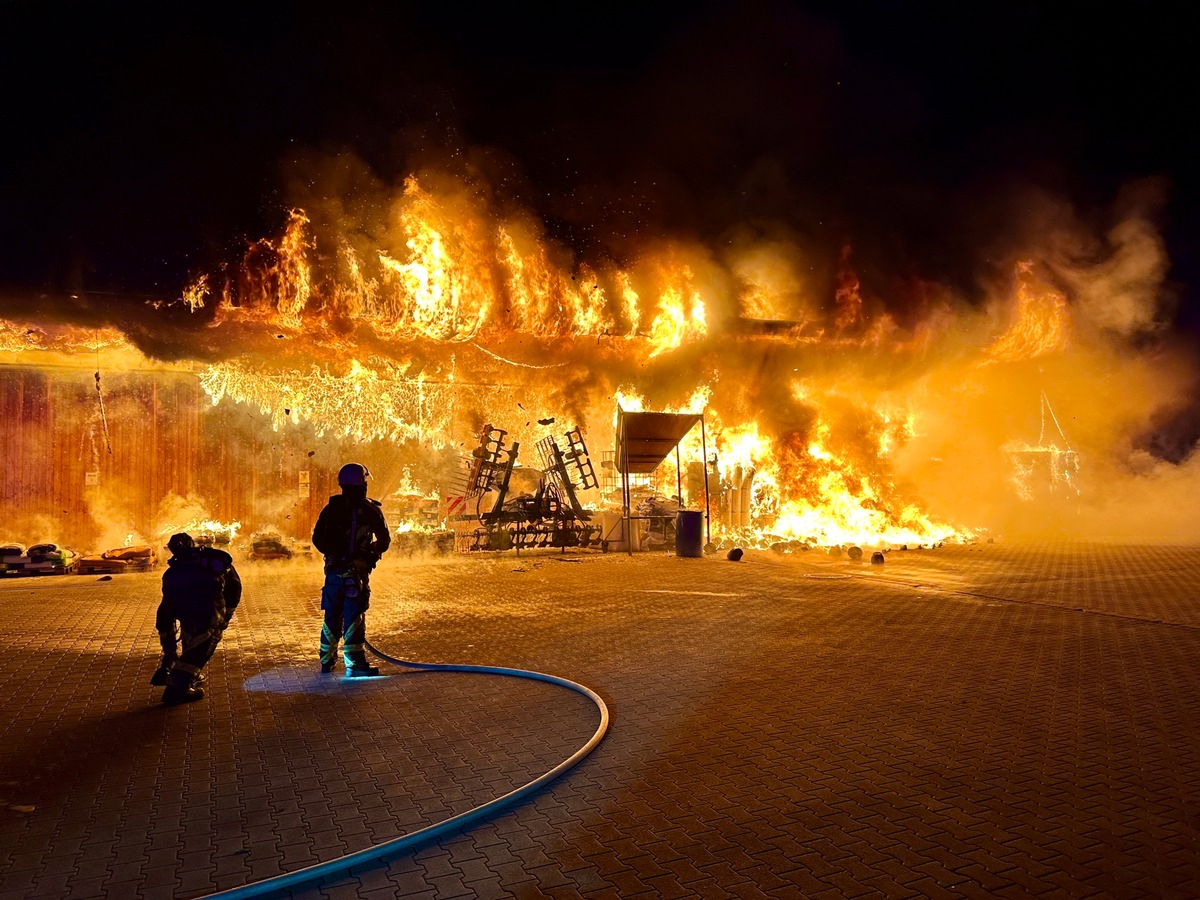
59	481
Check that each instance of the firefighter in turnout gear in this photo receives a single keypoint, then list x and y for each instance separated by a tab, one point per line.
200	591
351	534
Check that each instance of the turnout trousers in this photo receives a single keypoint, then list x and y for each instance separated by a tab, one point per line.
199	642
344	599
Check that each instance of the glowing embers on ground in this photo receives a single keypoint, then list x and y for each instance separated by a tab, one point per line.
363	403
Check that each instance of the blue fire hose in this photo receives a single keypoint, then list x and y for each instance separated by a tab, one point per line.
342	864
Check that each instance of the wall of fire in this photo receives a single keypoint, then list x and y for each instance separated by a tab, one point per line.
87	476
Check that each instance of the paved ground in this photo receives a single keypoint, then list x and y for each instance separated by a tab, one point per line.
1001	720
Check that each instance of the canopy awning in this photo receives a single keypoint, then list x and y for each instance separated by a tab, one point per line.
644	439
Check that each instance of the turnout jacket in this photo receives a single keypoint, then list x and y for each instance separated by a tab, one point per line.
201	588
351	531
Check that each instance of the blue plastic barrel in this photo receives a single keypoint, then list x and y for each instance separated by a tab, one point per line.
689	526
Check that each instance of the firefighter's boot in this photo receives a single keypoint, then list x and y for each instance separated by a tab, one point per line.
329	647
174	695
182	687
362	670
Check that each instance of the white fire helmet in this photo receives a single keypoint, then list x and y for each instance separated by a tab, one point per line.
353	475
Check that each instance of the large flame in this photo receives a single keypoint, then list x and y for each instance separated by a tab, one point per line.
383	339
1040	320
359	403
457	279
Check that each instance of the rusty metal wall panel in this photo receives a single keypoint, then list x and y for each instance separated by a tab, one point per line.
59	480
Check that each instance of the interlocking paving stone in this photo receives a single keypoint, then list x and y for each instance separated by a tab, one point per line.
994	720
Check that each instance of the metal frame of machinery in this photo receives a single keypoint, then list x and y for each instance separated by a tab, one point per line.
552	517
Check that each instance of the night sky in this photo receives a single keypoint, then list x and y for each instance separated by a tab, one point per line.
142	147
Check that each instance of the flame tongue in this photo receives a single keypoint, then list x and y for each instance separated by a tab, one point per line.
1040	322
223	532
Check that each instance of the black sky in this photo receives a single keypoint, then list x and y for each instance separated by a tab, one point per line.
142	145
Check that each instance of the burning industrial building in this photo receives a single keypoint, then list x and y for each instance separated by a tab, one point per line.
883	355
829	421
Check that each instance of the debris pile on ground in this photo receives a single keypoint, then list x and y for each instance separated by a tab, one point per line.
789	546
39	559
139	558
212	537
272	545
658	512
410	543
269	545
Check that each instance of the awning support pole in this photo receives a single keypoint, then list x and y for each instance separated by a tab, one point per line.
678	477
704	469
625	484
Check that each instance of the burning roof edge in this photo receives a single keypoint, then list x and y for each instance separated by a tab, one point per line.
644	439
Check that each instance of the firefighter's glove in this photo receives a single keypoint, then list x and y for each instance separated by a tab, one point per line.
159	678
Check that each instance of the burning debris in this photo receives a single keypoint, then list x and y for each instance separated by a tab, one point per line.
205	533
269	545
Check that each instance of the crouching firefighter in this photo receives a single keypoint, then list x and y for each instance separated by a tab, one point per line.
200	591
351	534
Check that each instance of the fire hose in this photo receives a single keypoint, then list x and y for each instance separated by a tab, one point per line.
342	864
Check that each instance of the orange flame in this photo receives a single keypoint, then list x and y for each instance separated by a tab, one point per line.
681	315
453	282
1041	322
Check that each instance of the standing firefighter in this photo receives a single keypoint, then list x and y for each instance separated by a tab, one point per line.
201	589
351	533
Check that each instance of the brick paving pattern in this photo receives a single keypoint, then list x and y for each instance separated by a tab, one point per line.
997	720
